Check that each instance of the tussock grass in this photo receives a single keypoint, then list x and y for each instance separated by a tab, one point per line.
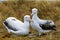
46	10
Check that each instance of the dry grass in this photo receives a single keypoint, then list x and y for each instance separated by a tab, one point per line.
47	10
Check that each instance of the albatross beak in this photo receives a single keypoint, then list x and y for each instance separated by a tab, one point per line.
31	20
31	14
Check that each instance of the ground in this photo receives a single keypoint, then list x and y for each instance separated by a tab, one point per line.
46	10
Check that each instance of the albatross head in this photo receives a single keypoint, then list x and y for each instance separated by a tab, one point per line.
34	11
27	18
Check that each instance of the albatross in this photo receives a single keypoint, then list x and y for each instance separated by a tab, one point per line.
42	26
16	26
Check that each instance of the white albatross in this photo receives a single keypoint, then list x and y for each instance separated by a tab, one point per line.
42	26
15	26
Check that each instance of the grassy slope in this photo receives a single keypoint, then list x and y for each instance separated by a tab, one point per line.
46	10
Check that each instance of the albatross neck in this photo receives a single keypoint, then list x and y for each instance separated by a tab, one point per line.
35	17
26	22
26	25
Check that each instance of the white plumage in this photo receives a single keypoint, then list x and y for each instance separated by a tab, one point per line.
40	25
15	26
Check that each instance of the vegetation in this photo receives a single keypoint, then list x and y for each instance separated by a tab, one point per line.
46	10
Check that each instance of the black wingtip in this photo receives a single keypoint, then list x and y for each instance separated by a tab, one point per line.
5	23
44	27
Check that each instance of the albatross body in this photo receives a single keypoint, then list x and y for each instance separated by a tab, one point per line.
42	26
15	26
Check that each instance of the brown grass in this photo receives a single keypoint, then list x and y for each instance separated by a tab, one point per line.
47	10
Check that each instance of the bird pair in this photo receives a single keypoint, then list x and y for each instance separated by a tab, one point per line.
15	26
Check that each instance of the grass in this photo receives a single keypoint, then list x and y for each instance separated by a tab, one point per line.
46	10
